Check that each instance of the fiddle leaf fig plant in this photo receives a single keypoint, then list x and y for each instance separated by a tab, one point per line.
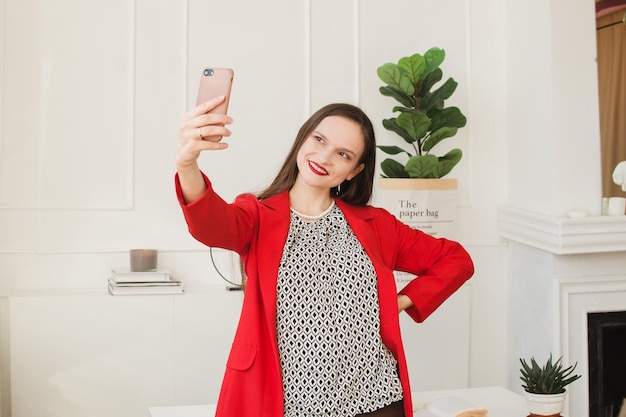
422	121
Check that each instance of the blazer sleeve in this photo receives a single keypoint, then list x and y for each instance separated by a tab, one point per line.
216	223
441	267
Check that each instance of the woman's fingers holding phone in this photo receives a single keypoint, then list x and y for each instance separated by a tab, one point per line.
212	133
211	126
196	130
193	140
204	125
205	107
210	119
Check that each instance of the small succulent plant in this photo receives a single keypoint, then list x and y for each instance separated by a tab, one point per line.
551	378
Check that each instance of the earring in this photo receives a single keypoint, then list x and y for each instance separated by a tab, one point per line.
339	190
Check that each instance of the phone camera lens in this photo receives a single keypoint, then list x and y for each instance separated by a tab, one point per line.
208	72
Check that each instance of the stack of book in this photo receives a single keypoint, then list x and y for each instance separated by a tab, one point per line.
127	282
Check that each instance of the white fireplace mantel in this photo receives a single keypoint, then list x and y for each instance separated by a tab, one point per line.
563	235
590	278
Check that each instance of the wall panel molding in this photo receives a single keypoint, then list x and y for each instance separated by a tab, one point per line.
333	54
68	113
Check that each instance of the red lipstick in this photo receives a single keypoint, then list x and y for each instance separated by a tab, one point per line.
317	169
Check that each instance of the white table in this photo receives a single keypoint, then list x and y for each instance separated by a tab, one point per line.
207	410
499	401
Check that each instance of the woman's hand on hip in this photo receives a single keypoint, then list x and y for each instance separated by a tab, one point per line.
404	302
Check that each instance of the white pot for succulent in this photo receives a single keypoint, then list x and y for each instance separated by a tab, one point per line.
545	404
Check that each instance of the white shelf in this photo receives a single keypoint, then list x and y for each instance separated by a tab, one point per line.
562	235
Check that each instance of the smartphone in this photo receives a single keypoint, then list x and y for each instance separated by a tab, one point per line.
215	82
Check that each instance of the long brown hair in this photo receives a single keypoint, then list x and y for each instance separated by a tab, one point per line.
358	191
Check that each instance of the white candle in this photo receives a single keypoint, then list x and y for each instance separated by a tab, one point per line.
143	259
616	206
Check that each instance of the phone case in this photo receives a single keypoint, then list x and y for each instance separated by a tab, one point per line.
215	82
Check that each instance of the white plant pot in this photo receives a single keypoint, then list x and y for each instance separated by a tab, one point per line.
427	204
545	404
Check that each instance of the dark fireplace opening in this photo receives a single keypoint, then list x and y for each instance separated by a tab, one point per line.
607	364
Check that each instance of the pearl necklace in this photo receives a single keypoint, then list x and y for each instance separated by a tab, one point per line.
317	216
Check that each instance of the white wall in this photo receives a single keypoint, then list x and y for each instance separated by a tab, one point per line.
92	95
553	122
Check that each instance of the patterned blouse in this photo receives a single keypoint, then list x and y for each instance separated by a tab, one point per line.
333	361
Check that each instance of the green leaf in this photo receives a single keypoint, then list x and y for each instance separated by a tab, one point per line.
392	125
437	136
399	109
428	82
423	166
395	77
414	67
393	169
448	117
415	124
433	58
437	97
393	150
449	161
401	96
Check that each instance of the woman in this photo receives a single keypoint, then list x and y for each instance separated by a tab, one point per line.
319	331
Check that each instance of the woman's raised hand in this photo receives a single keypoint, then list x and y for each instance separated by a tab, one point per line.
201	131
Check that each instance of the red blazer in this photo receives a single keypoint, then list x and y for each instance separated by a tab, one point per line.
257	231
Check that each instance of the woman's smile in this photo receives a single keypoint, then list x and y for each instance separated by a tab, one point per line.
317	168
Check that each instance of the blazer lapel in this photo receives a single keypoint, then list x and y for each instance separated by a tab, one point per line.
274	227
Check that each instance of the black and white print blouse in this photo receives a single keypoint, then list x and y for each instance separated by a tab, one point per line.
333	360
